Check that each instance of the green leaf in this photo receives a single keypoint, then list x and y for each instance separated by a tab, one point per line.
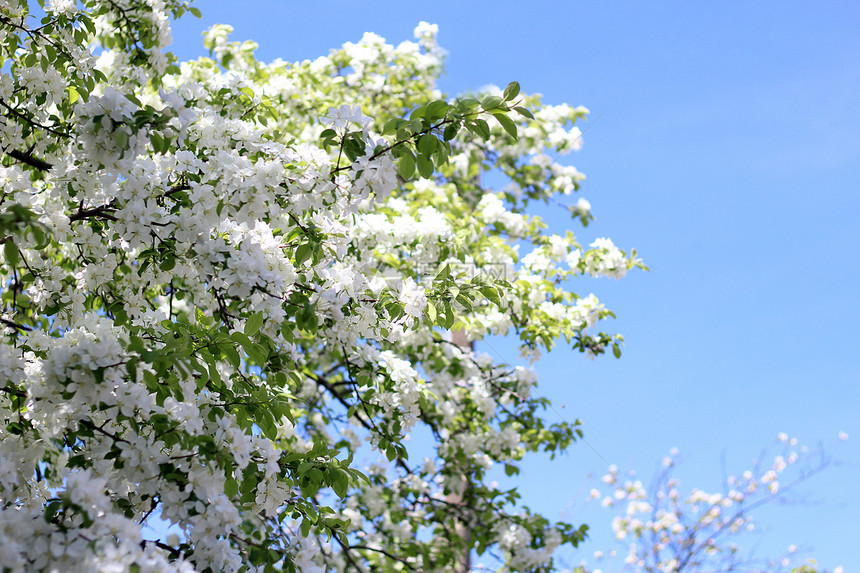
121	138
52	509
403	134
232	357
16	428
492	294
440	155
156	140
231	487
303	253
451	131
257	353
91	27
430	311
406	166
511	91
468	104
465	301
616	350
41	238
392	125
444	272
267	425
10	250
427	144
436	110
253	324
307	318
339	482
425	166
480	128
168	263
240	338
491	102
250	479
449	319
524	112
395	309
507	124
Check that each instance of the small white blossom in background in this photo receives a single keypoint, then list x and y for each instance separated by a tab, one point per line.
66	7
343	116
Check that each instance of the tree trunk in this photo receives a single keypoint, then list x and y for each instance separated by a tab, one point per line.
461	528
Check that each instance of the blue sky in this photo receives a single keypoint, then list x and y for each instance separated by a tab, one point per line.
723	144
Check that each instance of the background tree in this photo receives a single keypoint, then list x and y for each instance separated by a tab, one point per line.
665	530
225	281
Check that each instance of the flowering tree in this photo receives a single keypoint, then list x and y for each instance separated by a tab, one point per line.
225	281
665	531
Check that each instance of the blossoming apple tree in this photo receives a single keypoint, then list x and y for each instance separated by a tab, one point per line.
224	282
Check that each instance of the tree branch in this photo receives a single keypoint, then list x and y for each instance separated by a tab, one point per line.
15	325
383	552
30	160
101	212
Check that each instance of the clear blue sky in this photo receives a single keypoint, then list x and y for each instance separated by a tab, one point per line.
724	144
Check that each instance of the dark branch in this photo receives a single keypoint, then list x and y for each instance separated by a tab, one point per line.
383	552
31	121
91	426
101	212
15	325
29	159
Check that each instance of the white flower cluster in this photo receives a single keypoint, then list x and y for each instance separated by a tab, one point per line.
212	304
611	262
516	540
